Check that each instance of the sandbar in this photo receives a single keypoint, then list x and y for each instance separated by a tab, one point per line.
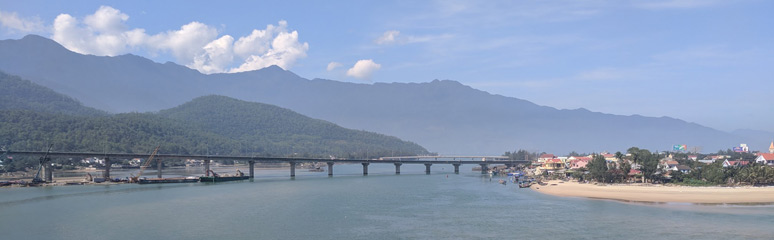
659	193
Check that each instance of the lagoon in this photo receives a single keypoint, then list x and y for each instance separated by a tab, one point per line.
412	205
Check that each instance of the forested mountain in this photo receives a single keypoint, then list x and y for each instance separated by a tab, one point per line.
32	117
20	94
271	128
444	116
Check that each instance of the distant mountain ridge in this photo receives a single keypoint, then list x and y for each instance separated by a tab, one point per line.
32	116
444	116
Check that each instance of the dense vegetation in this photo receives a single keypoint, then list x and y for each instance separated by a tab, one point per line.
213	125
23	94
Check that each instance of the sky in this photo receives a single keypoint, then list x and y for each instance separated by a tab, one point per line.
705	61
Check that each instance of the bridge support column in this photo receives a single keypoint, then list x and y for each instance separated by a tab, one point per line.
427	168
365	168
207	167
484	168
159	164
252	168
106	173
48	171
330	168
397	168
292	169
456	168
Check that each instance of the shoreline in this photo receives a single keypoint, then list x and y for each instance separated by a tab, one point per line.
660	193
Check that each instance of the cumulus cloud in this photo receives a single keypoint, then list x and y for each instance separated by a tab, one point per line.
333	65
12	21
363	69
195	44
272	46
389	37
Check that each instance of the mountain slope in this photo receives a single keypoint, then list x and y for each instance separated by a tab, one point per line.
272	127
20	94
444	116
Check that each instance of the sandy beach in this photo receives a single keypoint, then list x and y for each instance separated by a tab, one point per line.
659	193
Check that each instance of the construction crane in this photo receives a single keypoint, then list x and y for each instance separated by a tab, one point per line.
135	179
43	160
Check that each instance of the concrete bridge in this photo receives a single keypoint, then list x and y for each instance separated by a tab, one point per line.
456	161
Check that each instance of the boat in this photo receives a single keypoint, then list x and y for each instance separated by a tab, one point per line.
217	178
222	179
524	184
168	180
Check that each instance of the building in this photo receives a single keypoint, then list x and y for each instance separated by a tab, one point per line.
765	158
683	169
771	147
545	157
727	163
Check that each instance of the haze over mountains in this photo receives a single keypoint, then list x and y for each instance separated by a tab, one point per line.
443	116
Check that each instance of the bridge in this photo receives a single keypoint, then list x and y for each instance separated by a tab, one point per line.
456	161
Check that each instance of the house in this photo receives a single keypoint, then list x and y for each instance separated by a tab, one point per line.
545	157
740	163
683	169
578	163
553	164
693	157
765	158
669	165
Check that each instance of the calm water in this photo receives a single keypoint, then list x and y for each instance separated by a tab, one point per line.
350	206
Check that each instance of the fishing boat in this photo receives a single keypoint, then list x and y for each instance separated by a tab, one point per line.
168	180
214	177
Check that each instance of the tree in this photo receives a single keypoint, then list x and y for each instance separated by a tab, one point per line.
598	168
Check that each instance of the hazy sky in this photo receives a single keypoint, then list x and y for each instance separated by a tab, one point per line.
704	61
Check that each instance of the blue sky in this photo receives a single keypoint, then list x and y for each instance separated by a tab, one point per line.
709	62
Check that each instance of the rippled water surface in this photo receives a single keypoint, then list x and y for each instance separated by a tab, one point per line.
351	206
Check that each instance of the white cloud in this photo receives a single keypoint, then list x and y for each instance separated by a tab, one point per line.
216	55
102	33
363	69
186	43
333	65
284	51
196	45
12	21
395	37
389	37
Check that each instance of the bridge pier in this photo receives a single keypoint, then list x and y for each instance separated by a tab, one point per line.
484	168
330	168
292	169
48	170
397	168
252	168
159	164
427	168
106	173
207	167
365	168
456	168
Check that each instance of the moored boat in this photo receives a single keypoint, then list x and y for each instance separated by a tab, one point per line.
222	179
214	177
167	180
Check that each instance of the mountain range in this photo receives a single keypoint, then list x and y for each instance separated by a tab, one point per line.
442	115
211	125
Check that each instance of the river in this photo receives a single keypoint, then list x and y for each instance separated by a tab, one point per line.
348	205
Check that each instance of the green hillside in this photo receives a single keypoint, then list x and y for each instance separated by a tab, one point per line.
278	130
32	117
20	94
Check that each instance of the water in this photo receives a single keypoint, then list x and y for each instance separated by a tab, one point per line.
350	206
